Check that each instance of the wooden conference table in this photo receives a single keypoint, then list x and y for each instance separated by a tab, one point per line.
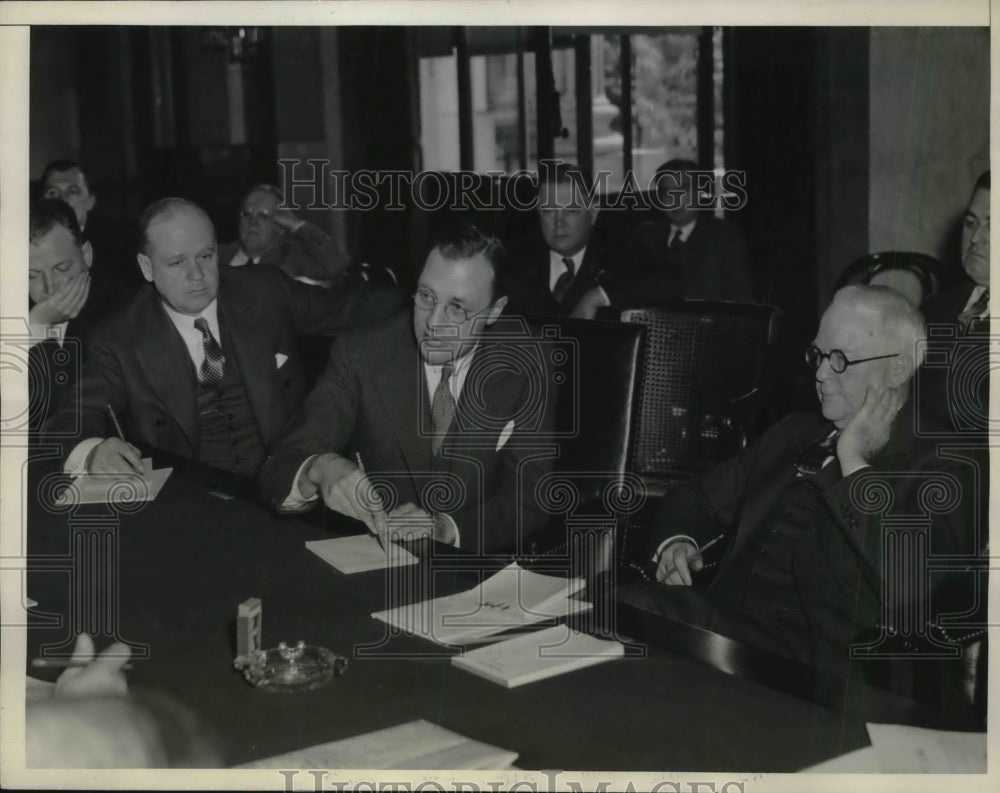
185	561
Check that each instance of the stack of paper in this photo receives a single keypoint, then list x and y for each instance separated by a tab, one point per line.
417	745
360	553
513	598
535	656
115	488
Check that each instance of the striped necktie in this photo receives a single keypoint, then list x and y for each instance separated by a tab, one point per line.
210	374
442	408
564	280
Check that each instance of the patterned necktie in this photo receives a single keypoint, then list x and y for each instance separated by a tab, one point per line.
210	374
442	408
675	239
971	314
814	459
563	281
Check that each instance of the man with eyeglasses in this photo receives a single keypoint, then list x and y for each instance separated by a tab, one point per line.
270	235
448	413
796	511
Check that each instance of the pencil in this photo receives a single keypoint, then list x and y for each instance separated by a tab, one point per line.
378	536
114	419
64	663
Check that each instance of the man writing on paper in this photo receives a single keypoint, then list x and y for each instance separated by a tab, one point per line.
803	571
451	416
202	363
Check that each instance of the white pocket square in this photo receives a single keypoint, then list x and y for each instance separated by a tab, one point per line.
279	359
505	434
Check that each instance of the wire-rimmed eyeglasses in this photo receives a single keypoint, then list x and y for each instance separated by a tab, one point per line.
425	300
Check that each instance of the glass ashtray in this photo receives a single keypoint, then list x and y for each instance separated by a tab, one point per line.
303	667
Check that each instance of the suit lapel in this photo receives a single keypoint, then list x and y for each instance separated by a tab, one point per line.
402	389
162	356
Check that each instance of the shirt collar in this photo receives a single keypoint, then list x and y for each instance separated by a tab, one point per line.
210	313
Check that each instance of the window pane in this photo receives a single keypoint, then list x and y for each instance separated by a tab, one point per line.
439	113
606	94
664	100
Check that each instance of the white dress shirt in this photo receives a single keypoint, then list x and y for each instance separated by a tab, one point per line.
977	292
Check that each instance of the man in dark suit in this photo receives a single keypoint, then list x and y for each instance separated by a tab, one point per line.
451	416
66	300
113	241
201	363
552	270
955	391
803	572
270	235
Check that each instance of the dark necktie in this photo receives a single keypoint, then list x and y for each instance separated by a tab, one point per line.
971	314
563	281
442	408
675	239
210	374
813	459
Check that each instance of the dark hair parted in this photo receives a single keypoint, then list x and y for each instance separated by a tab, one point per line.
462	240
983	182
47	213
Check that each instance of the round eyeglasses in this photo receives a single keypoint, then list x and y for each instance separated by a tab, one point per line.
838	361
454	313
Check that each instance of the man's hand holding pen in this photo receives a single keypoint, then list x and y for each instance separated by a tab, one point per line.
679	559
115	455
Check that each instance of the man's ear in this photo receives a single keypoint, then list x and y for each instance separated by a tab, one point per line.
146	265
88	253
91	200
900	371
496	310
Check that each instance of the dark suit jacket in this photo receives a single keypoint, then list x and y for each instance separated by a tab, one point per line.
711	264
372	399
55	368
138	364
952	387
309	252
528	289
115	245
838	564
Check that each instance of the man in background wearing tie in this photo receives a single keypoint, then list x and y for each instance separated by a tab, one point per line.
450	410
550	272
270	235
203	364
66	300
798	509
956	393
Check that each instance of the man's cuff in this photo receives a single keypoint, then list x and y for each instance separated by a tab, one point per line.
295	501
670	541
76	462
446	527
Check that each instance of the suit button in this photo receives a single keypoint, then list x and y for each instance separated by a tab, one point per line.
753	576
765	553
288	382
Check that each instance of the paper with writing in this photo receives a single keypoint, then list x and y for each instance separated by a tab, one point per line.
116	488
360	553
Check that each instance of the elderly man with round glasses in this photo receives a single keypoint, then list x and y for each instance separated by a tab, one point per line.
431	422
798	518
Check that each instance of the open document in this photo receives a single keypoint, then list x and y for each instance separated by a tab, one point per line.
512	598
